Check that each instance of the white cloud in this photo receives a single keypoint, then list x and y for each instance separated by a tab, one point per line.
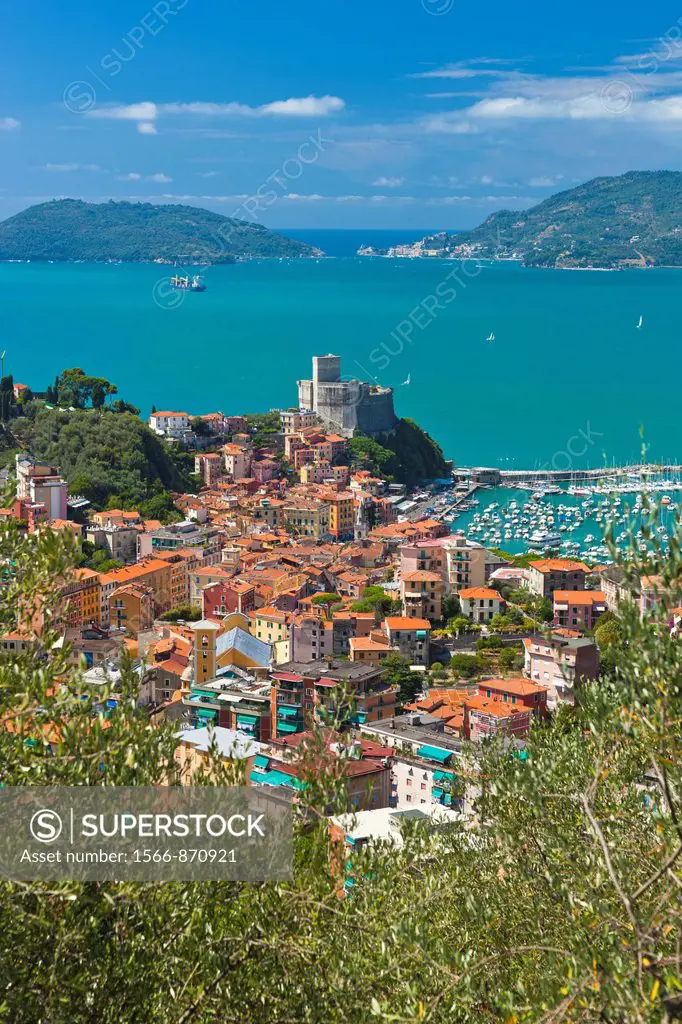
451	123
310	106
66	168
389	182
208	174
132	112
159	178
9	124
464	69
147	113
486	180
545	181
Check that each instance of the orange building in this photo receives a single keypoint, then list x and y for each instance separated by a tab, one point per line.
150	572
131	607
341	514
82	594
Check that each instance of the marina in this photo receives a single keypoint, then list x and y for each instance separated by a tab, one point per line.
571	519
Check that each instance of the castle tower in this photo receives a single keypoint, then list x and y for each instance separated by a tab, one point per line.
346	405
204	650
326	370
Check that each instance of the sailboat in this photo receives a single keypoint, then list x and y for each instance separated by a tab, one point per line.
409	378
641	322
491	337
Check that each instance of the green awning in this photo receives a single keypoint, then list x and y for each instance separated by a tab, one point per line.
261	761
275	778
247	718
207	713
441	776
287	727
359	717
434	754
287	712
437	792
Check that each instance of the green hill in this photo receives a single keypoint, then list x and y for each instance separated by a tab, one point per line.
631	220
70	229
408	456
111	458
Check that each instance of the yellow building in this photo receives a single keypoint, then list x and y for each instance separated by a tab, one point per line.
273	627
342	515
215	647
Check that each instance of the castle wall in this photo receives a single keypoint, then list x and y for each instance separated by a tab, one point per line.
346	405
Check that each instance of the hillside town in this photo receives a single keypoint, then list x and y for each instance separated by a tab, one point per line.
291	602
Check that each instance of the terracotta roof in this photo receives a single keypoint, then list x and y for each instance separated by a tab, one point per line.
486	593
496	708
404	622
580	596
421	576
518	687
365	643
558	565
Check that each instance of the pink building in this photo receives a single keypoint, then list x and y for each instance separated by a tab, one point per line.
578	609
266	469
560	663
209	467
41	484
237	461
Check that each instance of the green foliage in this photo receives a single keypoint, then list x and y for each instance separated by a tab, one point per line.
376	599
326	601
75	388
509	659
70	229
101	561
409	456
7	401
559	903
120	406
608	634
397	671
451	607
491	643
466	666
184	612
103	456
460	624
591	225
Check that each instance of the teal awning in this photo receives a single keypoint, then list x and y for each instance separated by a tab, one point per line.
287	727
437	792
448	799
261	761
275	778
434	754
287	712
421	634
359	717
247	718
206	713
441	776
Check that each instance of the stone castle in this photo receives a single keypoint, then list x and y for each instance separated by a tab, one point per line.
346	404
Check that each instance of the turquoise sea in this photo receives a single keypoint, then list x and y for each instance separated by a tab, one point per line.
568	362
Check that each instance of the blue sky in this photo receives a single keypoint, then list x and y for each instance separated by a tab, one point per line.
389	113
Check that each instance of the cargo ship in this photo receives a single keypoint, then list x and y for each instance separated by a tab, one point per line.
187	284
